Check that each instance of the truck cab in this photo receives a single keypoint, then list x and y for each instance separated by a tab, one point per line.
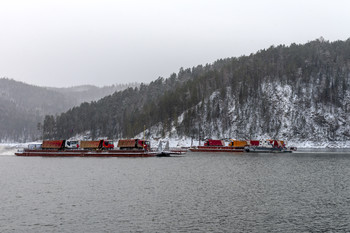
71	144
108	144
146	145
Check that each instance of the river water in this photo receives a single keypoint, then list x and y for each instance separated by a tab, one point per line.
200	192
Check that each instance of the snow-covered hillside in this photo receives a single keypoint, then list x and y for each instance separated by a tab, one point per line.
277	114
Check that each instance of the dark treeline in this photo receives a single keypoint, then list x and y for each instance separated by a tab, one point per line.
317	73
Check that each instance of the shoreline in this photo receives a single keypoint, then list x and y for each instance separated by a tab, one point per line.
178	143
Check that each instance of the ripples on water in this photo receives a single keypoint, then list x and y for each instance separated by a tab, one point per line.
300	192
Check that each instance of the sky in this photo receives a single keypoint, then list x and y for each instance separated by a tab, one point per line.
63	43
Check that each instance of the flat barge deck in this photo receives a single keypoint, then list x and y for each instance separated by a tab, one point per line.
87	153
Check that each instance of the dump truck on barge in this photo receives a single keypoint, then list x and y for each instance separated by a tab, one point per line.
97	145
53	144
134	144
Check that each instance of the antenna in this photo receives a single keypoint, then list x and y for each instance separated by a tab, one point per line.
143	142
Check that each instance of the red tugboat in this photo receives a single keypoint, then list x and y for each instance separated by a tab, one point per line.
211	145
99	148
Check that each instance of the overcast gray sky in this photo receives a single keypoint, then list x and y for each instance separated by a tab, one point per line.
102	42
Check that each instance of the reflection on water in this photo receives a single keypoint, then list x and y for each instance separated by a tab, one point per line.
201	192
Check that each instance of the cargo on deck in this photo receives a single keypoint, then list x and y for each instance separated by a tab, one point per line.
214	145
130	144
237	143
91	144
211	142
53	144
253	143
127	143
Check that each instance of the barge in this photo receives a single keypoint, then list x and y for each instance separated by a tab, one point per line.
87	153
251	146
100	148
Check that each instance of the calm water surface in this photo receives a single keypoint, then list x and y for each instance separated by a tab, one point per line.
299	192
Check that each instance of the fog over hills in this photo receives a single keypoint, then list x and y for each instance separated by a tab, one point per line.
23	106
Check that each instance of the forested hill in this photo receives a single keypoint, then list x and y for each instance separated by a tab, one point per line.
289	92
23	106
